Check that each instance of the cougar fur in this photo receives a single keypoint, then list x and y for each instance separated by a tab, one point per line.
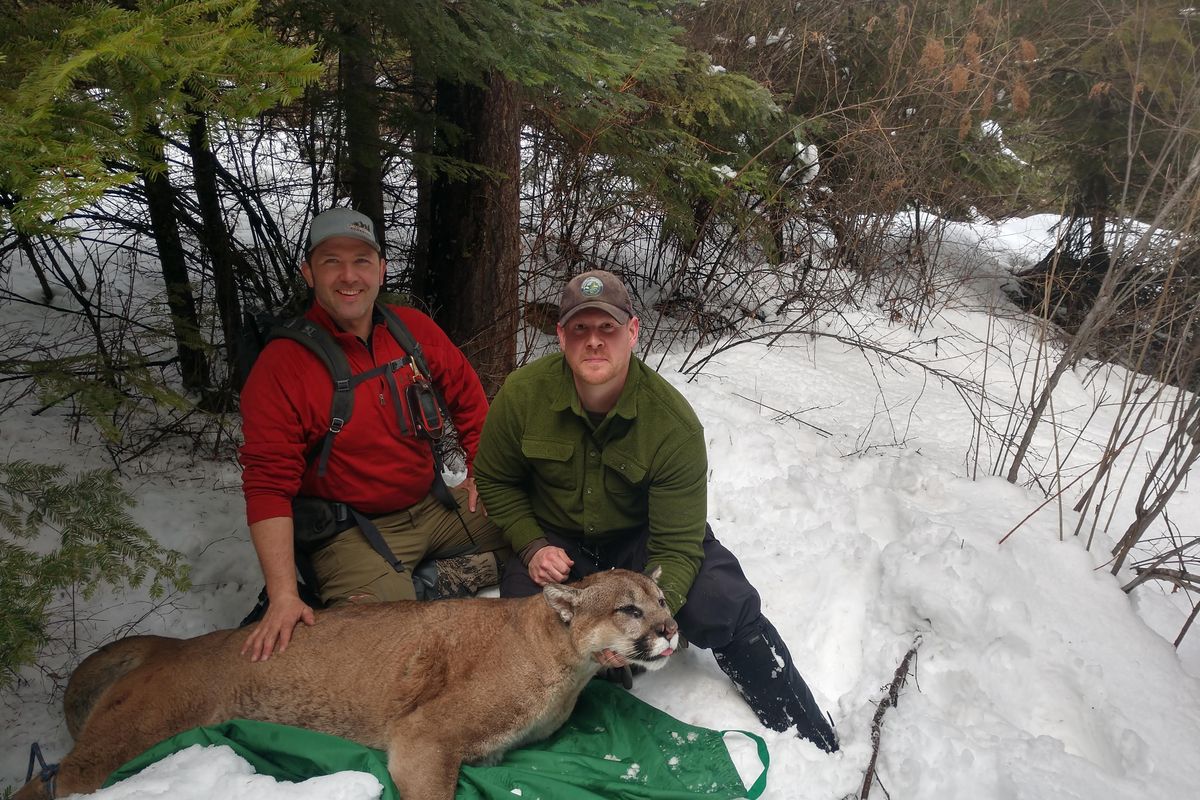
434	684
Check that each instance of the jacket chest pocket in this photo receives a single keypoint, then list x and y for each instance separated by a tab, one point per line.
553	461
623	476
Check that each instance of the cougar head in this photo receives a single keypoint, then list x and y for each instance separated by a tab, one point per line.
621	611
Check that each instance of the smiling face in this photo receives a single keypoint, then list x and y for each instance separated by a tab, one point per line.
345	275
597	348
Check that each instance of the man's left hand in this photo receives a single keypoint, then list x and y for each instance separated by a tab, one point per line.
610	658
473	500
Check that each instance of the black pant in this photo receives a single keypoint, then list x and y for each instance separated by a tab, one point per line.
721	605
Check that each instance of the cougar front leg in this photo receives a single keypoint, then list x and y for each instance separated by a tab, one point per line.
423	768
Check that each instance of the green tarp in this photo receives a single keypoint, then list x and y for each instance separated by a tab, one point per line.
614	747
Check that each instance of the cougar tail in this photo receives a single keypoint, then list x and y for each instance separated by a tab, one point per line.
102	669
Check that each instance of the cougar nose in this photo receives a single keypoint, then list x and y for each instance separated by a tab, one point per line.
667	630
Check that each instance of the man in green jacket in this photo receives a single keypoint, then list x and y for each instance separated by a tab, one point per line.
589	460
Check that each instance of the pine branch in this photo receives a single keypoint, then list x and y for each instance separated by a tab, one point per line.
97	542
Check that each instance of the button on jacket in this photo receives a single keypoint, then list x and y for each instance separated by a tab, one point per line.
544	462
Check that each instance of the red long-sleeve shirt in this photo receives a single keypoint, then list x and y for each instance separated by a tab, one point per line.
373	466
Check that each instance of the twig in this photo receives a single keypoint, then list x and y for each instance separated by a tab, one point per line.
1183	631
889	700
1045	503
1181	578
792	415
1145	574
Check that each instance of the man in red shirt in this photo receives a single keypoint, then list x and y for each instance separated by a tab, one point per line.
375	465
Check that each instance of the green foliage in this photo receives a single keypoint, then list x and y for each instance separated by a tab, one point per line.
892	95
85	82
107	391
1114	102
655	112
95	542
610	78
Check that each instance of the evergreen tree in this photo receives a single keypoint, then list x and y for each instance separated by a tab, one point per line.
456	82
613	84
892	95
85	84
1115	98
93	93
93	541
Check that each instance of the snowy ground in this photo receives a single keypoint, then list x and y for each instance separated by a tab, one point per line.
842	482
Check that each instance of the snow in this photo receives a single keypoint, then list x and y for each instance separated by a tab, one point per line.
203	773
992	129
725	172
807	165
856	491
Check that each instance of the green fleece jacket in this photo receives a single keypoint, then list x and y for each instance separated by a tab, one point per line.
543	461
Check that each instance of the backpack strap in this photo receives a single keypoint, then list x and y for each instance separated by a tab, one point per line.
371	533
404	337
409	344
323	346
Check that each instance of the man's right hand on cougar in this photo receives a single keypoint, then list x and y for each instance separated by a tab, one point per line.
274	631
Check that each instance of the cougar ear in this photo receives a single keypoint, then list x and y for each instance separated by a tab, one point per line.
655	573
563	599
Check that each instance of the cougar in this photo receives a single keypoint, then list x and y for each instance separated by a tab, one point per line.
434	684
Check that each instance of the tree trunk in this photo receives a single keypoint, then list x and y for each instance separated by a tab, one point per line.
1095	201
160	198
27	249
423	143
215	237
362	168
474	248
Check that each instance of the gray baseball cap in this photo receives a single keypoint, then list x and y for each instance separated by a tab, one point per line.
341	222
595	289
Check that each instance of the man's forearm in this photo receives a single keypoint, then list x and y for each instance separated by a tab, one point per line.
273	542
508	506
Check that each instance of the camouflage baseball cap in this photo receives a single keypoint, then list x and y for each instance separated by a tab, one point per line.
595	289
341	222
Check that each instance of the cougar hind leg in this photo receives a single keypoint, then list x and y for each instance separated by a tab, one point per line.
36	789
101	670
126	721
423	768
84	770
123	702
90	680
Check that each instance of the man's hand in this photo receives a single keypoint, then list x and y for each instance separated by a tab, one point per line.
274	631
473	500
615	668
610	658
550	565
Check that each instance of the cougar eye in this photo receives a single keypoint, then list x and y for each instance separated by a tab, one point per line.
632	611
662	603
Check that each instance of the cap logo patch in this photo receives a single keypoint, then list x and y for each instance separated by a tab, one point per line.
360	226
591	287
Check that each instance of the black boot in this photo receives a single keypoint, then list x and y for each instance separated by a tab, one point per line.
761	668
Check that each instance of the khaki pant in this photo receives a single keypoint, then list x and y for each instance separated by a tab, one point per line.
348	567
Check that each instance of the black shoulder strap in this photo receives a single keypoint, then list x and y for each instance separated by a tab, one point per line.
323	346
404	338
410	345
